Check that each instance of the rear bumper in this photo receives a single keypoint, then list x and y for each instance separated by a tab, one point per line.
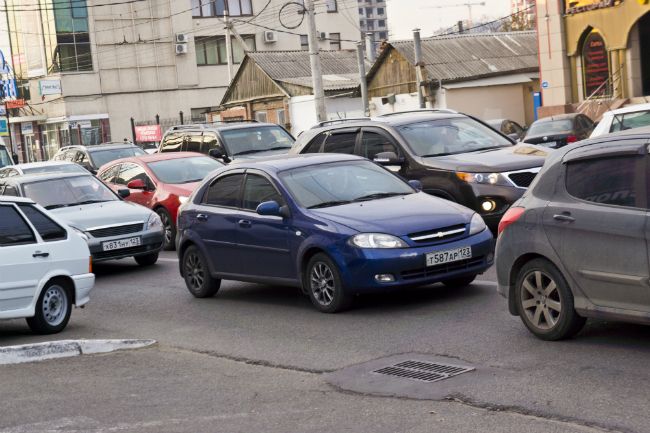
83	284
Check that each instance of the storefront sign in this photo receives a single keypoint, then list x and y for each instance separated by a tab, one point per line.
4	128
49	87
16	103
148	133
8	89
579	6
83	124
27	128
595	65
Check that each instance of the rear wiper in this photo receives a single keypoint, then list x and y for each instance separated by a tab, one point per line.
379	195
330	203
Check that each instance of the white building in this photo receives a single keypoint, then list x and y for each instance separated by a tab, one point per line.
86	68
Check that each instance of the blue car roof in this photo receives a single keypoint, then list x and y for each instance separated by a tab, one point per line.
288	162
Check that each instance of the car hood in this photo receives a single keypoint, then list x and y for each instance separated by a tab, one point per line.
509	158
398	216
110	213
259	155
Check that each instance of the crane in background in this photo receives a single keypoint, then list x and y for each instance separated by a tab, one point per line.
467	4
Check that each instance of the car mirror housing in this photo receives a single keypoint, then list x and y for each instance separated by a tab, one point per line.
124	193
388	158
217	153
415	184
136	184
272	208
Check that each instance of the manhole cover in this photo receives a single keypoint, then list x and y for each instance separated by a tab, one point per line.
423	371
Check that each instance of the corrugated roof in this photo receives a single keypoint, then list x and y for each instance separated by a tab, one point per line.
475	55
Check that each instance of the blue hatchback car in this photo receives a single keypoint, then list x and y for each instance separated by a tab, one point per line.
334	225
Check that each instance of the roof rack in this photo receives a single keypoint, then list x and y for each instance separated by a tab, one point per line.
335	121
423	110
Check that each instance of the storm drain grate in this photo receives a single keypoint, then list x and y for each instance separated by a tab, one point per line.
424	371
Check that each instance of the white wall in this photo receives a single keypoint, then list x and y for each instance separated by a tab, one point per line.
403	102
302	110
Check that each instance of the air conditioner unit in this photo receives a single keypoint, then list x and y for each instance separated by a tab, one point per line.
270	37
322	36
181	38
181	49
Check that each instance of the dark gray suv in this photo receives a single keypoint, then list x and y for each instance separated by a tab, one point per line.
576	244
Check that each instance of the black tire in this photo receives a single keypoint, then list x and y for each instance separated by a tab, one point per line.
545	302
169	229
53	308
460	281
328	294
147	259
197	276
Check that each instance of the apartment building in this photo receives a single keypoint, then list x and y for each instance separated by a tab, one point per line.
85	68
373	19
527	10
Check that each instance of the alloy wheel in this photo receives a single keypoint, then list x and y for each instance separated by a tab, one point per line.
194	271
55	305
322	283
540	299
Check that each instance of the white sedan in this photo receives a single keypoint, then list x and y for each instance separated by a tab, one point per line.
629	117
45	266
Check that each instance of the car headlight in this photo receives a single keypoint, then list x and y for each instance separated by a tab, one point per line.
183	199
477	225
81	233
377	240
154	222
484	178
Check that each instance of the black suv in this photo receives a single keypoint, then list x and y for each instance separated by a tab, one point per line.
228	141
93	157
455	156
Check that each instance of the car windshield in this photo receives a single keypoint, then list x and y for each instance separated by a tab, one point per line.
256	139
58	168
318	186
4	157
101	157
184	170
451	136
630	121
68	191
551	127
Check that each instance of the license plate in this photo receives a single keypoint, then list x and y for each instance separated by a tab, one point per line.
550	144
442	257
121	243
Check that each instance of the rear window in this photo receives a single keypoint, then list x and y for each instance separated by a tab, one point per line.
184	170
551	127
101	157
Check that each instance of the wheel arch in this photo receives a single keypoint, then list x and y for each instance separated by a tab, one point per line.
64	280
517	265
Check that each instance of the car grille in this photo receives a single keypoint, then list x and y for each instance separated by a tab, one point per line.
440	234
522	179
125	252
442	269
106	232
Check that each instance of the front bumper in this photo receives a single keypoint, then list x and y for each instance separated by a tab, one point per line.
408	265
83	284
503	196
151	242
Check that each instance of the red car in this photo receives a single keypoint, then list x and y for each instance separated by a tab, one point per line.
161	182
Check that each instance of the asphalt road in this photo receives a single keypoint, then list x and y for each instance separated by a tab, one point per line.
258	358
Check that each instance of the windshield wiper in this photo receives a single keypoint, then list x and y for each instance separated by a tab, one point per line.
56	206
484	148
379	195
88	202
329	203
437	154
246	152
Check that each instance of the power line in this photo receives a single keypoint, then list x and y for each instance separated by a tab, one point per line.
40	8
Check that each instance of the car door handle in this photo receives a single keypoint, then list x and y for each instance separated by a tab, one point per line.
564	217
202	217
40	254
244	223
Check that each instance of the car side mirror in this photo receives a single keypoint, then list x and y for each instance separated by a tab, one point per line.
272	208
415	184
136	184
388	158
124	193
217	153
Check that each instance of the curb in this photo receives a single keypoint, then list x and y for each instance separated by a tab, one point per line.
65	349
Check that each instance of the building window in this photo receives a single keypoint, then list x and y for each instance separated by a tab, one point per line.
281	116
304	42
380	11
211	50
72	51
383	35
361	11
335	41
219	8
381	23
368	12
331	5
370	25
260	116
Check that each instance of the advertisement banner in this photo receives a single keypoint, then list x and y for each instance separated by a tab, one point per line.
4	128
49	87
148	133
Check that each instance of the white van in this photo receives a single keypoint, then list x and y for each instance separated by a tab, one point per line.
45	266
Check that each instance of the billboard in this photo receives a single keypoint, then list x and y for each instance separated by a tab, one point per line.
578	6
148	133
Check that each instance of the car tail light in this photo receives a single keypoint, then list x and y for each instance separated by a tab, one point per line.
571	139
90	264
512	215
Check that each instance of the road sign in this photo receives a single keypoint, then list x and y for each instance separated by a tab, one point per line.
545	84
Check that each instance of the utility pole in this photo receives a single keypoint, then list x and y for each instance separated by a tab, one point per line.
417	45
370	47
314	60
362	79
228	45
